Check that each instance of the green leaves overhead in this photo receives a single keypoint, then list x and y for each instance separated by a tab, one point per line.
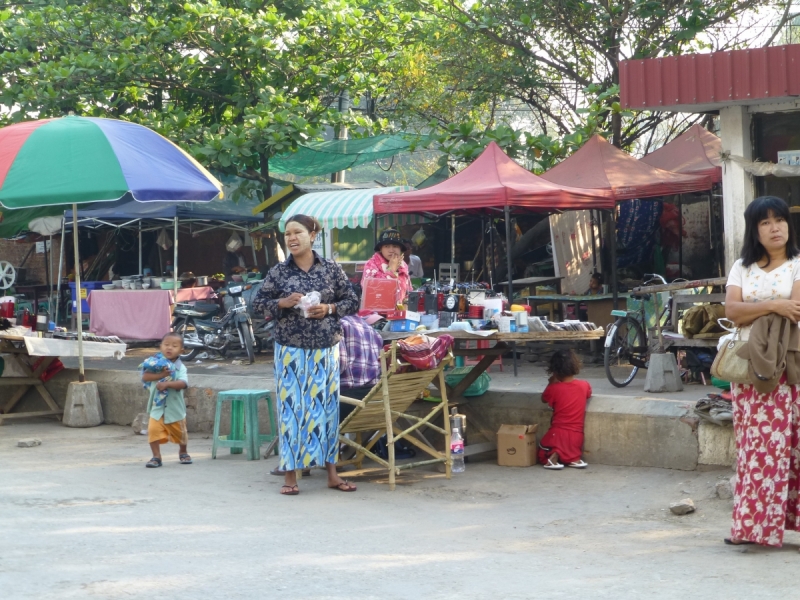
232	81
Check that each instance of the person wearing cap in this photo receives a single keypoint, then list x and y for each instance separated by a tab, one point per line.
388	263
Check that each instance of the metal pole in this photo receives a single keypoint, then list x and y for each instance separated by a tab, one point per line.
613	245
483	243
140	272
175	260
81	375
680	235
453	239
510	274
49	268
60	267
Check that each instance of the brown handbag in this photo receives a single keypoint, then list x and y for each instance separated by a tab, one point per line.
728	365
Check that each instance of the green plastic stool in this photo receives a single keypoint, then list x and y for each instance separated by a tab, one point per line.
244	423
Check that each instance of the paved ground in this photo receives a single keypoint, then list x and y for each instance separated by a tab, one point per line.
82	518
531	376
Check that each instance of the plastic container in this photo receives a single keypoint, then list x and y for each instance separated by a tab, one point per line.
403	325
478	387
7	306
430	321
457	452
86	288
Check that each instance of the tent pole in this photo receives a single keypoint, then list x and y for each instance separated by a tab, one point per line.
60	267
680	235
453	238
140	248
613	245
81	375
48	267
175	260
484	269
510	274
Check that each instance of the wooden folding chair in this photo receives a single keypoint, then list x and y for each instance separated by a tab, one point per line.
388	401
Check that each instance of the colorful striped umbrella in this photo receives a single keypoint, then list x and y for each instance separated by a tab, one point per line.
73	160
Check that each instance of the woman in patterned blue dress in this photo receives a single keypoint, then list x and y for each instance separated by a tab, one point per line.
307	353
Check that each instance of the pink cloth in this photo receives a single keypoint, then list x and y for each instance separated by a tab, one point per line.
196	293
130	314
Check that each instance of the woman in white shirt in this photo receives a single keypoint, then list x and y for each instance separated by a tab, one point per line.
766	426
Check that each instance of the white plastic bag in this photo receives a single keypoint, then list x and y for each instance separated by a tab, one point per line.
308	301
163	239
234	243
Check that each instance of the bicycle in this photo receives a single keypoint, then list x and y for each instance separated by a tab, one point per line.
626	347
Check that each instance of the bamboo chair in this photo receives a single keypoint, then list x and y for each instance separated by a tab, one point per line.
386	403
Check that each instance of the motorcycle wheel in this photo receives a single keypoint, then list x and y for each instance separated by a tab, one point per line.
183	327
247	337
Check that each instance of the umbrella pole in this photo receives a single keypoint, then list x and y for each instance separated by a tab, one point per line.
175	261
81	375
507	211
140	247
613	245
60	267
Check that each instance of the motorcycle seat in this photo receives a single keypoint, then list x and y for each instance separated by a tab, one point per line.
205	307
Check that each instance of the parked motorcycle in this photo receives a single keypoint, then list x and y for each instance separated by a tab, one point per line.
202	328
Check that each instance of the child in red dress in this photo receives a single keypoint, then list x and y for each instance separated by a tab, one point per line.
567	396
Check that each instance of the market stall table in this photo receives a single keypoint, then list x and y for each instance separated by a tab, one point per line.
504	343
598	307
130	314
15	349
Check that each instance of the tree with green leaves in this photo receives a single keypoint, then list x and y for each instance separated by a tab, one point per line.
549	70
234	82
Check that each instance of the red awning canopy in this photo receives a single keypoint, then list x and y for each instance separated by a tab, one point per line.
600	166
492	181
694	152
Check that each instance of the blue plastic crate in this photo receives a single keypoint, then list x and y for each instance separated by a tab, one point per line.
403	325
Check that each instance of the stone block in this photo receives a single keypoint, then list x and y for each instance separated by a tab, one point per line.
83	407
663	374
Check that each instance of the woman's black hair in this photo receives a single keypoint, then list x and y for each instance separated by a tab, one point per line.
564	363
310	223
758	210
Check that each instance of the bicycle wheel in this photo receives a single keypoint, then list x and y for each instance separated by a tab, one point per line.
624	347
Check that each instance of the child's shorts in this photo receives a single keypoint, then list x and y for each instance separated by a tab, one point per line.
158	431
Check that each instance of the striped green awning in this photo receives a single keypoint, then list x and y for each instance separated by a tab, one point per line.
347	208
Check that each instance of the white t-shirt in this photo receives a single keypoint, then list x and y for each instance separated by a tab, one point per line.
758	285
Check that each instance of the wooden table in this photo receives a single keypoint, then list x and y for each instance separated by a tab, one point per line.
504	342
14	349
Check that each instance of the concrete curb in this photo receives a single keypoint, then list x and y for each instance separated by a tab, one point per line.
620	430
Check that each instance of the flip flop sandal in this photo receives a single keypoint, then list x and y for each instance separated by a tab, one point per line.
732	542
349	487
293	490
153	463
185	459
553	466
579	464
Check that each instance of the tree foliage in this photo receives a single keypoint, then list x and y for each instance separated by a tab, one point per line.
232	81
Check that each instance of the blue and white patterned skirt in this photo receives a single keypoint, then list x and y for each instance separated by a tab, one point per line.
307	384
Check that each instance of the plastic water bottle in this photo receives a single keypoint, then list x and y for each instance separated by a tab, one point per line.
457	452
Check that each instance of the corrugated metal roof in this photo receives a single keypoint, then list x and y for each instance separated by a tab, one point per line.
702	82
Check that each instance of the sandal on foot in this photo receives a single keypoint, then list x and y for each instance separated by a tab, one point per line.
293	490
153	463
553	466
345	486
578	464
733	542
185	459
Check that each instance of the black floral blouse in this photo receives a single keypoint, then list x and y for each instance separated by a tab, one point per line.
291	327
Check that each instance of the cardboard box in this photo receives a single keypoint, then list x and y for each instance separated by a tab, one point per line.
397	315
516	445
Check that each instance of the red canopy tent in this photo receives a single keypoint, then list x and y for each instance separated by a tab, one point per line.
695	152
601	166
493	182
